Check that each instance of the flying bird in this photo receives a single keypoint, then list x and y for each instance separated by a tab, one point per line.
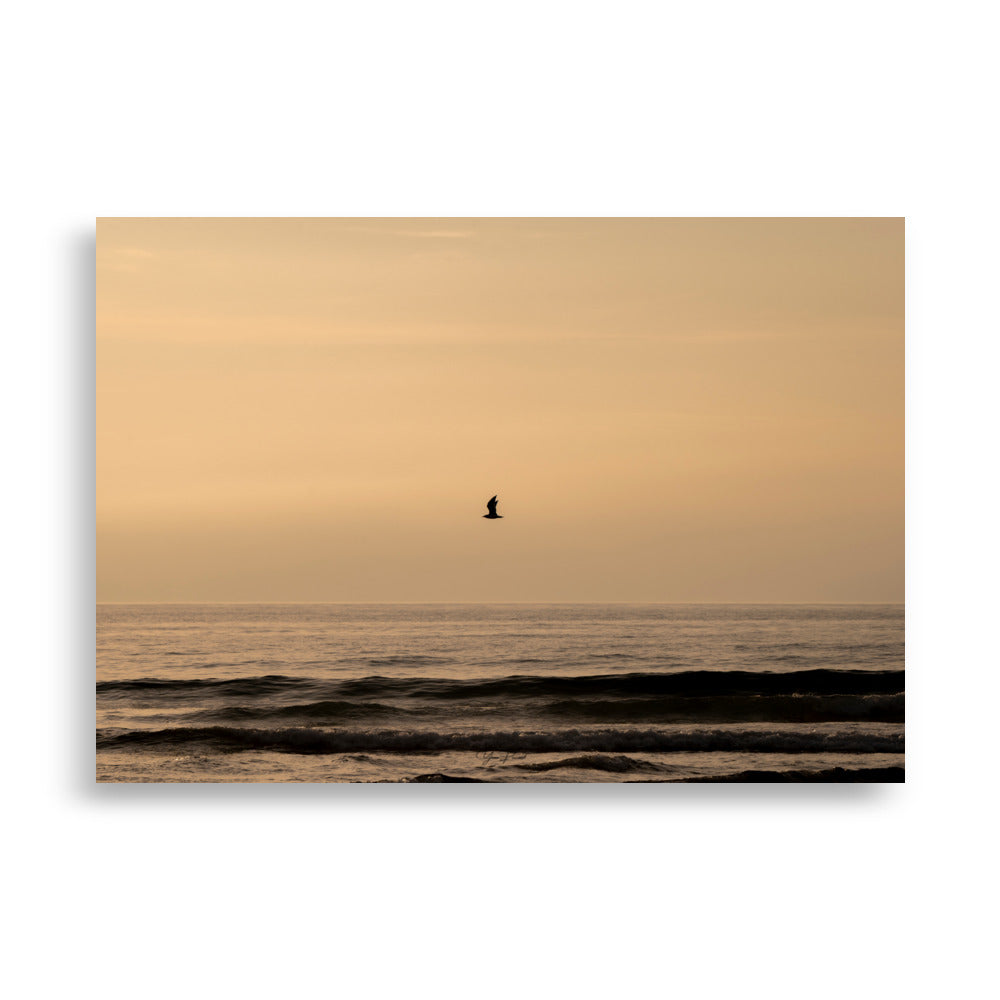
491	506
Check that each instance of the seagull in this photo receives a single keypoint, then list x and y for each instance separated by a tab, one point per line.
491	506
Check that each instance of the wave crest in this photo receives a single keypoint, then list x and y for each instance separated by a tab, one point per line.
317	741
688	683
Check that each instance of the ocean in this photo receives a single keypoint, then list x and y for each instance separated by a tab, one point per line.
499	692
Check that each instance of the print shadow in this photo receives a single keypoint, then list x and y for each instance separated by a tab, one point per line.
501	796
80	577
80	707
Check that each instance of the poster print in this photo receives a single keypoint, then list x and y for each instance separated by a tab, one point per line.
500	500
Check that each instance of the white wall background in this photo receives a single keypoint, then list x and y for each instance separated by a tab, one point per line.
542	108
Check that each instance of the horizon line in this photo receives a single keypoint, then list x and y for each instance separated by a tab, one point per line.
651	603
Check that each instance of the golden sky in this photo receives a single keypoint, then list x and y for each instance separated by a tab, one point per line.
668	409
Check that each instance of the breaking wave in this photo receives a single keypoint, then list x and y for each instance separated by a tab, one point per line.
688	683
738	708
830	774
318	741
617	764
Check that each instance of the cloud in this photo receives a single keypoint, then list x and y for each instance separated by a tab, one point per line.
391	227
443	234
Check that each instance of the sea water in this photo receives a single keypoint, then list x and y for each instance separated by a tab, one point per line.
499	692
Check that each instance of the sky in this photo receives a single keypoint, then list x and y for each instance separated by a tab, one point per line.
670	410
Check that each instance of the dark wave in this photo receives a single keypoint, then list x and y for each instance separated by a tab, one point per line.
401	660
247	687
669	709
318	711
439	779
317	741
616	764
737	708
687	683
692	683
623	765
831	774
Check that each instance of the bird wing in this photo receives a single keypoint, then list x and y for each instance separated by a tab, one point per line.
491	505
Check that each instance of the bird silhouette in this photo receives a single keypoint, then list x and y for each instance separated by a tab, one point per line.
491	506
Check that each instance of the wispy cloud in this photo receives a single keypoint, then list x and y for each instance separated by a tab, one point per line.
394	228
126	259
443	234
